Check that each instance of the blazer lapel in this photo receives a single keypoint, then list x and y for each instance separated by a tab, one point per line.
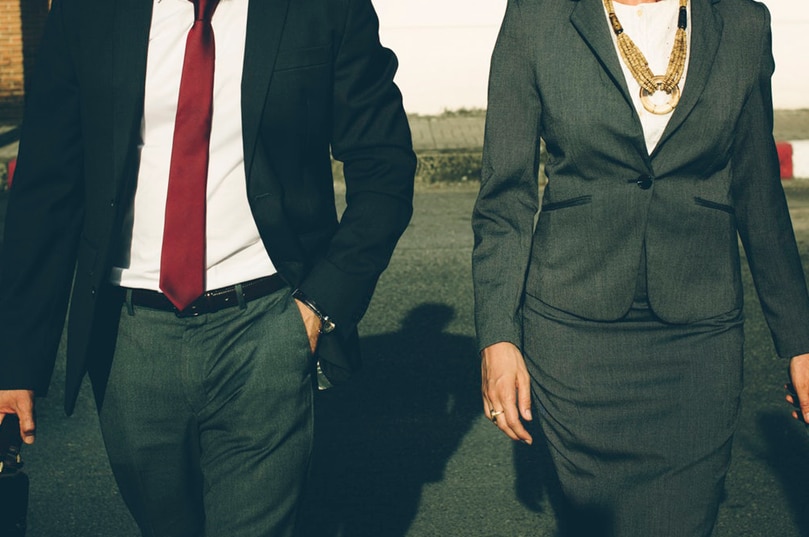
706	33
265	24
131	23
589	20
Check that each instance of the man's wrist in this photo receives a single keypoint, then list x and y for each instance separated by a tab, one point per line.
326	323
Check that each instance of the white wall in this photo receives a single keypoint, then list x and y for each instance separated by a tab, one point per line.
790	21
444	48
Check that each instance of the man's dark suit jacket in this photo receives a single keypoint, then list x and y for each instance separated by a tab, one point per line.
713	177
315	79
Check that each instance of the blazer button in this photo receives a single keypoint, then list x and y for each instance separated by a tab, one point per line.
645	182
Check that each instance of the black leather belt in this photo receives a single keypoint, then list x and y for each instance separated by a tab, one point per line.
211	301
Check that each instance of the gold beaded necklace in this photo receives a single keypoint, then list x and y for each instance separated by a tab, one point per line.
639	66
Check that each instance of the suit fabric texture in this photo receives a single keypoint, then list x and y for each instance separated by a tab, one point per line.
611	211
316	82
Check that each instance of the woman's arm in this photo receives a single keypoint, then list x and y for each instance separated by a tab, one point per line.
503	221
765	227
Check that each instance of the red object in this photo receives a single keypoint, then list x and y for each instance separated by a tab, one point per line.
182	260
12	165
785	159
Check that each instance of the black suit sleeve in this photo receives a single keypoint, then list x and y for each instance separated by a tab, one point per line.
371	136
44	217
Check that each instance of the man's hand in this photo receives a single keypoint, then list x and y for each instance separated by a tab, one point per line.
21	403
506	388
312	324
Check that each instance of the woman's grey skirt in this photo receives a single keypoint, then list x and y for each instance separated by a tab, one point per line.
639	416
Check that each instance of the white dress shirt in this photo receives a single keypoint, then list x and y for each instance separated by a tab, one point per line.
234	251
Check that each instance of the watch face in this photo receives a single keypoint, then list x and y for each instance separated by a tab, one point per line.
327	326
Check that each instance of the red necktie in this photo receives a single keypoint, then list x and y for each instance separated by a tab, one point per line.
182	261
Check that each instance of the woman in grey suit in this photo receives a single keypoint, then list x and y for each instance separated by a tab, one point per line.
620	308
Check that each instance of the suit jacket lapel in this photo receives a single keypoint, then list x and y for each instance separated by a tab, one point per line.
265	24
131	23
589	20
706	33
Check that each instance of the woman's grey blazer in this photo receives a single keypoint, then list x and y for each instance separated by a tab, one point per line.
713	176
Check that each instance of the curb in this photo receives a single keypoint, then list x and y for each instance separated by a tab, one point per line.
794	158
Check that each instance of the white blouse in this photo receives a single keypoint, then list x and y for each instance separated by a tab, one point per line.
652	28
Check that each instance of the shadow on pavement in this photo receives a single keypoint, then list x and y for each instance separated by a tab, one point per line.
392	429
535	476
788	464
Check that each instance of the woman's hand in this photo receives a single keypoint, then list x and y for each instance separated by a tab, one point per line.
506	388
799	389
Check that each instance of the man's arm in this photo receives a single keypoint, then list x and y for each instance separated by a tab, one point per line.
371	136
44	217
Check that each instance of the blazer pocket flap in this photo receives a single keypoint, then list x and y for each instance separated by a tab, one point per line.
301	58
571	202
702	202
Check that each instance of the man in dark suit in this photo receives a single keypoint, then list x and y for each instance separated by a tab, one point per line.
205	401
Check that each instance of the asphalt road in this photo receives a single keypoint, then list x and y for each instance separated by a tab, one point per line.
404	450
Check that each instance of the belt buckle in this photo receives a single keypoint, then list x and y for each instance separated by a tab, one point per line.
193	310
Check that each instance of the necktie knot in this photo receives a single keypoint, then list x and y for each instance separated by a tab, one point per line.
203	9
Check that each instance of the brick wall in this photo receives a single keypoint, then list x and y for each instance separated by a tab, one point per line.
21	24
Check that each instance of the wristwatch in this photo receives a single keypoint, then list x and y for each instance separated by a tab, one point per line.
326	324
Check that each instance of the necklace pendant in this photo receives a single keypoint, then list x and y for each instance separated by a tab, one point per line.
662	101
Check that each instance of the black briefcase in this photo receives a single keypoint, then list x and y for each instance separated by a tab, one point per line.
13	481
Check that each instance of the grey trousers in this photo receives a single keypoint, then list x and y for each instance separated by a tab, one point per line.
207	420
